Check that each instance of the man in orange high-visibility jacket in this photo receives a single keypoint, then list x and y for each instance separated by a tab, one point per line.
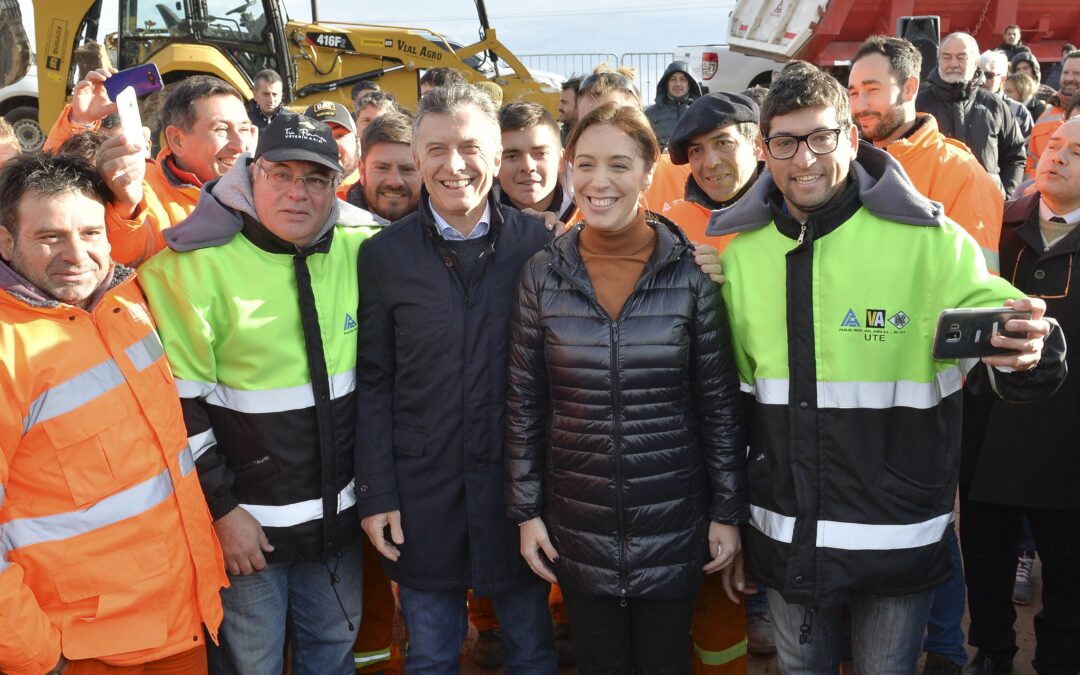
883	105
108	560
718	139
1056	112
206	128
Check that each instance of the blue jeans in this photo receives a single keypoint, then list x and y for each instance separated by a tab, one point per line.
944	632
256	607
886	634
437	623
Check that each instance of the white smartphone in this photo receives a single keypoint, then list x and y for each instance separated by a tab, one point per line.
127	107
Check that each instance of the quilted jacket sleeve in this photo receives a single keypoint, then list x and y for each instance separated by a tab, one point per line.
718	404
527	404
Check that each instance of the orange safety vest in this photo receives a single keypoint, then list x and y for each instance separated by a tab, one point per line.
668	185
1048	122
693	218
106	544
944	170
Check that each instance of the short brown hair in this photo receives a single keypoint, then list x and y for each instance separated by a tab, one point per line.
801	89
521	115
391	127
631	121
48	176
904	59
441	77
85	145
604	82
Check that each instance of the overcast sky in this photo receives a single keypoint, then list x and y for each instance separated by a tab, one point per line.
617	26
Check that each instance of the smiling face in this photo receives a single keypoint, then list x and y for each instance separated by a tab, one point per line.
530	166
1070	77
1058	173
957	60
610	174
878	100
294	213
459	156
808	181
722	161
60	245
220	133
391	181
678	85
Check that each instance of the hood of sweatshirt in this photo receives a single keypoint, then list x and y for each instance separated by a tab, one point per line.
223	202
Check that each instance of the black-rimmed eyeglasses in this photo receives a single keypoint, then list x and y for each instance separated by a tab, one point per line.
820	142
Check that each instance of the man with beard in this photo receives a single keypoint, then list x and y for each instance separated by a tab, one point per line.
337	117
389	185
718	138
1054	114
975	117
882	87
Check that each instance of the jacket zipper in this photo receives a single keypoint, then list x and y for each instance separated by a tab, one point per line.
613	328
802	234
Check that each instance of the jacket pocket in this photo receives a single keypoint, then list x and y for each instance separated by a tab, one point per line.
907	488
83	457
129	585
408	442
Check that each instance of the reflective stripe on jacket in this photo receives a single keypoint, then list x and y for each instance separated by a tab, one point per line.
106	545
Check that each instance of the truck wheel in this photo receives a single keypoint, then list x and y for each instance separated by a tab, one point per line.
24	120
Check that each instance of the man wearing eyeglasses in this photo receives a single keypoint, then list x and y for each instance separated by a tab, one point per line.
834	285
999	486
995	68
255	301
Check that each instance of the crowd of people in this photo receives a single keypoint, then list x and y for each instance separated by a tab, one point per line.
592	382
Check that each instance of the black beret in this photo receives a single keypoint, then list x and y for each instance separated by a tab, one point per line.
712	111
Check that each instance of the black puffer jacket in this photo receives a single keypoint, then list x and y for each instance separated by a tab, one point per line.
627	435
980	120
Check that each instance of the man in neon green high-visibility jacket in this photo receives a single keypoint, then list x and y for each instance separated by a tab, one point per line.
834	285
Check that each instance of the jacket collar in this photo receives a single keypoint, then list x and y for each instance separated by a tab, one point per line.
671	243
431	230
1022	215
955	91
176	176
883	188
18	287
694	193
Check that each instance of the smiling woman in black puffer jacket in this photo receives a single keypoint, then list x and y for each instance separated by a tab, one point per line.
625	442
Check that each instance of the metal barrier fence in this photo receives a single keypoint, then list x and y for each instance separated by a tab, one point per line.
649	65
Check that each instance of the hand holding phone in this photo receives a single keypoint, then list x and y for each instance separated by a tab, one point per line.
965	333
127	107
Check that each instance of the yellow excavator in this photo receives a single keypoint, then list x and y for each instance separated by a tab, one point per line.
235	39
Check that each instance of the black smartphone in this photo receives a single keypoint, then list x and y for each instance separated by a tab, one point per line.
965	333
144	79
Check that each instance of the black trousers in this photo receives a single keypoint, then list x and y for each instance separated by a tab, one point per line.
989	538
640	636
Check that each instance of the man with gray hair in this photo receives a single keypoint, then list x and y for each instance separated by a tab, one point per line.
436	291
995	68
975	117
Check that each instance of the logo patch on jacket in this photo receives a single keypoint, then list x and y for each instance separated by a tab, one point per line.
350	324
877	325
850	320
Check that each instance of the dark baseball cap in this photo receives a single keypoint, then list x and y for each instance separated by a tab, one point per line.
292	137
328	111
712	111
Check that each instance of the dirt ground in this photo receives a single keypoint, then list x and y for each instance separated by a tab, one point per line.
767	666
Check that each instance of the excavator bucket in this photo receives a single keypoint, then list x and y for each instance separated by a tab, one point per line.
14	44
